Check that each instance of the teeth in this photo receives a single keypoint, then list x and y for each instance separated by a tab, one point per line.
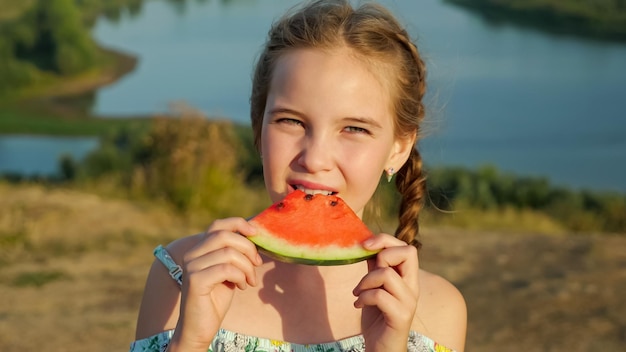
313	191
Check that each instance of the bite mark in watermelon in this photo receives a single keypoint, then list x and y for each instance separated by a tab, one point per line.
311	229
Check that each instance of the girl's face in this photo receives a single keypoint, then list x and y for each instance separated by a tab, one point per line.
328	127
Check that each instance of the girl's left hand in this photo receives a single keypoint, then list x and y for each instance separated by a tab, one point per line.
388	294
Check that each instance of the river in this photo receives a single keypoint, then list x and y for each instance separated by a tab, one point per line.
528	102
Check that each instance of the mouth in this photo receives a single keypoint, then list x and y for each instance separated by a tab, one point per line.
313	191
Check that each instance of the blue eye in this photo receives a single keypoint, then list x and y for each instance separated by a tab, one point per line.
354	129
289	121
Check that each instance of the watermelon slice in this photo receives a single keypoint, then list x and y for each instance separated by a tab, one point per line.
311	229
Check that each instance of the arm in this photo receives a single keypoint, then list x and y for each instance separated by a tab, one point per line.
441	312
160	303
214	265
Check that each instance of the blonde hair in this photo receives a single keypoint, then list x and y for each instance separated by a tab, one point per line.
375	35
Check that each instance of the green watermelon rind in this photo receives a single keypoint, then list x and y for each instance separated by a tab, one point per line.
323	255
311	261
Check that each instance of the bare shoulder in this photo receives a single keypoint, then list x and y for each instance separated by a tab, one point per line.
441	311
161	297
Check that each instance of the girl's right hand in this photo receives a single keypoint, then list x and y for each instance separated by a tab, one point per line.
221	262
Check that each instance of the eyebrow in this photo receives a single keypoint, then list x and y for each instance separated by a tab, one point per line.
285	111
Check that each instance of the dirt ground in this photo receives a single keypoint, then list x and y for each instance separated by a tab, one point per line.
534	292
73	265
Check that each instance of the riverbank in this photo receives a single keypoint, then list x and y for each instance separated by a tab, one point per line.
113	65
61	106
600	20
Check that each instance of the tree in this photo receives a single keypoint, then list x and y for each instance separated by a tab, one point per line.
63	35
51	36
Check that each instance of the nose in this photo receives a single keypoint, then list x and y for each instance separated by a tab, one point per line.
316	154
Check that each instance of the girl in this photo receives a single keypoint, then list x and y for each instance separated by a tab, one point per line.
336	102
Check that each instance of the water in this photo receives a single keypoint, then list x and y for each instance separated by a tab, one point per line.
39	155
527	102
203	57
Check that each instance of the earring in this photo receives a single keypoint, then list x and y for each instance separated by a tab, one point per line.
390	172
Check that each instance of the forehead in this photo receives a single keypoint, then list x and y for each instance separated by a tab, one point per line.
331	78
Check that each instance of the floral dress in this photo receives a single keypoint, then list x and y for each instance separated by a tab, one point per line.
229	341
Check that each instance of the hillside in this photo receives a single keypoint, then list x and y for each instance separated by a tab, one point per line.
74	265
597	19
12	9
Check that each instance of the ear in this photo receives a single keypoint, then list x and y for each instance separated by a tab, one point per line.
401	150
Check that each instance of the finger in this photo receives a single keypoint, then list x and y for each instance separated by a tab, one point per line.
236	224
393	309
203	281
394	253
403	258
382	241
226	255
395	269
378	243
225	238
388	280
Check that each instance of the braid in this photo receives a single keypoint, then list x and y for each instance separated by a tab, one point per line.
411	181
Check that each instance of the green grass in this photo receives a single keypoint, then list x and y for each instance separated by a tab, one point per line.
504	220
38	278
27	120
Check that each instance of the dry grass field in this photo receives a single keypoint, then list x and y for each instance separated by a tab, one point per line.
73	265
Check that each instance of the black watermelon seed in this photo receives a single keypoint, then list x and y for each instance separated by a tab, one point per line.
308	197
333	203
280	205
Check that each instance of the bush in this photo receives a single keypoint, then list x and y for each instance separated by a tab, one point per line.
198	164
188	161
487	189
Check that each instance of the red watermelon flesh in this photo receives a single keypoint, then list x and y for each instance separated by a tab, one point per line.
311	229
